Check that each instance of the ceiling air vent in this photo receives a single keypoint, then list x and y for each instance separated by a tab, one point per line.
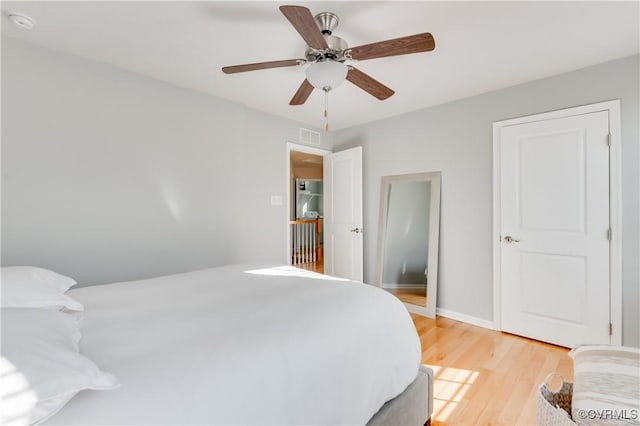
309	137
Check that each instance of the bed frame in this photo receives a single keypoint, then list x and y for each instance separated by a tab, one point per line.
412	407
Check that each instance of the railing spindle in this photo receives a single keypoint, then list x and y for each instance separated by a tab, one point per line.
305	240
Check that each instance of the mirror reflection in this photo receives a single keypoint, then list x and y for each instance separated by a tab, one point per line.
408	239
406	242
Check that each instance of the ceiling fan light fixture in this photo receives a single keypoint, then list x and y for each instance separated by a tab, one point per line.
326	75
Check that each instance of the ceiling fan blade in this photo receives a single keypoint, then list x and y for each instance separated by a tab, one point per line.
369	84
262	66
304	22
398	46
302	94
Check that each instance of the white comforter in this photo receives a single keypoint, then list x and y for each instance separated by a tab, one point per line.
242	345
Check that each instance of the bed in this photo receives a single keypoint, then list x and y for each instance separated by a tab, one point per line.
249	345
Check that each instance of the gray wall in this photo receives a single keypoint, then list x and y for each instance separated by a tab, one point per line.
456	138
108	175
406	238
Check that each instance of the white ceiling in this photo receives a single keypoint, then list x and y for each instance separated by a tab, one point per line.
480	46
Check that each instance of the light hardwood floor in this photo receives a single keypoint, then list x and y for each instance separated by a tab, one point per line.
485	377
415	296
317	266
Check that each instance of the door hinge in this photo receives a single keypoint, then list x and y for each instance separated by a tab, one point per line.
609	234
608	139
610	329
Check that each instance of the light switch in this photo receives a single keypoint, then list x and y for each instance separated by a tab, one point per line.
276	200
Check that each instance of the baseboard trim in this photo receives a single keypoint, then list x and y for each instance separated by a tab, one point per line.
466	318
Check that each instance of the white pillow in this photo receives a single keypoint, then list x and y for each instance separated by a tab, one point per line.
31	287
606	385
41	367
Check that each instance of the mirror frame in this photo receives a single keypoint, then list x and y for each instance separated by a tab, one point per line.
429	310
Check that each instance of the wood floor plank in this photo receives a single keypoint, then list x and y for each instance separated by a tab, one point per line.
415	296
485	377
518	398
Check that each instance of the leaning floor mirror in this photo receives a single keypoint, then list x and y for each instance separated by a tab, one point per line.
408	236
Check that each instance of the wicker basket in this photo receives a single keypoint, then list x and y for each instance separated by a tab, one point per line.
553	408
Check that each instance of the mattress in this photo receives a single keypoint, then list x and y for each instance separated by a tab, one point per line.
243	345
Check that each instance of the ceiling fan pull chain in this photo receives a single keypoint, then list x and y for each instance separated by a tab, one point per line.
326	110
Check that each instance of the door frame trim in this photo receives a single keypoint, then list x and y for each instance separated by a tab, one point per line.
291	146
615	207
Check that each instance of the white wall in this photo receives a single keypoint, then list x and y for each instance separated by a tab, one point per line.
108	175
456	138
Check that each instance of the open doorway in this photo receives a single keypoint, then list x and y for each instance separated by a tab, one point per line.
306	208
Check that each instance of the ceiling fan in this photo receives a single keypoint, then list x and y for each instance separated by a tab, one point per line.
327	54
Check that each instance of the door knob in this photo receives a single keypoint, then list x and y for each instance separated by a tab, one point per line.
510	239
356	230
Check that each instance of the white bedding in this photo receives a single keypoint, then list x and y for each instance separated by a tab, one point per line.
243	345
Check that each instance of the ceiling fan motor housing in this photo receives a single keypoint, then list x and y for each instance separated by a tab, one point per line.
327	22
335	52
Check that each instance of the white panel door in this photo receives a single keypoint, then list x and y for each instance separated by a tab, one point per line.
554	190
343	214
